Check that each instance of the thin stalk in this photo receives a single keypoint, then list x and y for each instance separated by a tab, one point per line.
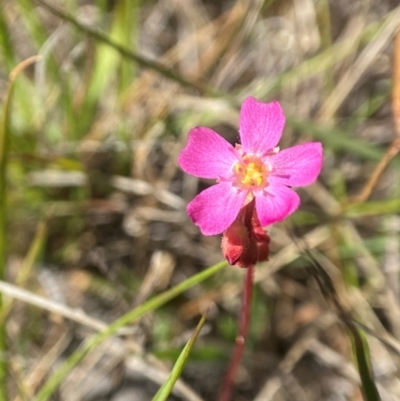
234	364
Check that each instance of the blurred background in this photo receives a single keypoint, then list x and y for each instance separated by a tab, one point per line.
95	202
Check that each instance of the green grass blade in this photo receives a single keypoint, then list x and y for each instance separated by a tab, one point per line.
166	388
110	62
361	353
339	140
107	59
54	381
32	22
373	208
7	50
32	256
26	266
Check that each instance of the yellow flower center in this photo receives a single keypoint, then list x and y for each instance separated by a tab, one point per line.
251	172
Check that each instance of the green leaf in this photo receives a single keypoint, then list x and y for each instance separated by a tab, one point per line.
166	388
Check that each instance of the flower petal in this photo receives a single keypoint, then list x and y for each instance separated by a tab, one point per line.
297	166
275	203
261	125
216	208
207	154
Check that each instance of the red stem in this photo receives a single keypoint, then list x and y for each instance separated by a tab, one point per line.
227	387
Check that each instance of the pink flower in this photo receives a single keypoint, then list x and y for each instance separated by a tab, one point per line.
256	169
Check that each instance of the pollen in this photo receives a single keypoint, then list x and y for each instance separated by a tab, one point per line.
251	172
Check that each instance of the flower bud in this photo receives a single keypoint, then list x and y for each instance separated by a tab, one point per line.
235	242
245	242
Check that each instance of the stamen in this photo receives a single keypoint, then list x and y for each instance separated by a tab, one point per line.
251	172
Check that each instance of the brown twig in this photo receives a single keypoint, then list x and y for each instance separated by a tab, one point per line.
376	175
395	146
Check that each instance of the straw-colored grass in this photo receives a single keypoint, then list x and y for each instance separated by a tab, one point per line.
103	276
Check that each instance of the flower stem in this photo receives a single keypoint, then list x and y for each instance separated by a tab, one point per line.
227	387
